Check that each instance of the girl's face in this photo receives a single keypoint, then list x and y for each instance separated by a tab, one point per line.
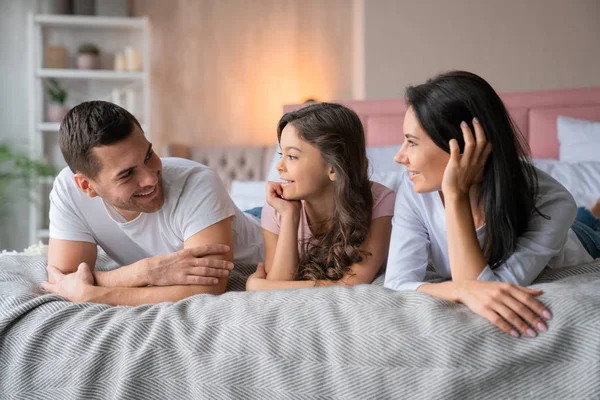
423	159
302	169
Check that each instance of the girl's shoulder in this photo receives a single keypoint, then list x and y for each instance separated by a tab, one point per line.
383	200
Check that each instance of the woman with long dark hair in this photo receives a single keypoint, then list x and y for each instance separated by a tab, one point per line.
325	223
472	205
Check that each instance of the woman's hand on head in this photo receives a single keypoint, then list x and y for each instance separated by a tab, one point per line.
465	170
511	308
275	199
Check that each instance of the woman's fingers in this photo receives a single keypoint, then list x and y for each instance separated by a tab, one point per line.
479	153
454	150
525	296
470	145
525	314
499	321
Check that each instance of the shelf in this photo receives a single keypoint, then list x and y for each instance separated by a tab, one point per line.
89	21
99	74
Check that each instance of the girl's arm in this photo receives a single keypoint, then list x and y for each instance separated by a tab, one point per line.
377	243
281	251
280	220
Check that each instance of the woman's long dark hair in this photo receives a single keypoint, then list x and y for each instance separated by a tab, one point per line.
337	132
509	189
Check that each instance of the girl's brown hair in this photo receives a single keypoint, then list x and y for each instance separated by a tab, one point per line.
337	132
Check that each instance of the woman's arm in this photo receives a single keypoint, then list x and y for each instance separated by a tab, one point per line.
464	250
503	304
462	174
544	238
377	243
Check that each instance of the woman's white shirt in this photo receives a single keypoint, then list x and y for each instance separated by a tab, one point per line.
419	238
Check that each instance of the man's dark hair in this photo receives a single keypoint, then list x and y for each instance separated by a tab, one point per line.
92	124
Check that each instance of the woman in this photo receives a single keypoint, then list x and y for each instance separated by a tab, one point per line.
475	208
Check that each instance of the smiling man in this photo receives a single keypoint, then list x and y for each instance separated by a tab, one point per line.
169	223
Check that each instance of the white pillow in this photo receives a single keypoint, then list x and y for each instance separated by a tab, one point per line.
582	179
579	139
248	194
381	159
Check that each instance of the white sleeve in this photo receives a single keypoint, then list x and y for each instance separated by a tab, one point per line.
65	222
543	239
409	245
204	201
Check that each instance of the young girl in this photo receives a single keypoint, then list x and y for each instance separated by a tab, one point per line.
325	223
475	208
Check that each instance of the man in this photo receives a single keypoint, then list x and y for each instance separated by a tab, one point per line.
169	223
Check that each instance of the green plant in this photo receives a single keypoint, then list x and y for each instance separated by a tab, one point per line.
57	93
89	48
18	168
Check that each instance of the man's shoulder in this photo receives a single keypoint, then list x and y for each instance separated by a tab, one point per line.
189	179
178	168
64	183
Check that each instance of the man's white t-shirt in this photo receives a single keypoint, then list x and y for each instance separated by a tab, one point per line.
195	198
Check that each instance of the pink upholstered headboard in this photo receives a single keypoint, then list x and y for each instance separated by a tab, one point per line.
534	113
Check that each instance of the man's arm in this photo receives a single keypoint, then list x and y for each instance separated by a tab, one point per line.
191	266
80	291
66	255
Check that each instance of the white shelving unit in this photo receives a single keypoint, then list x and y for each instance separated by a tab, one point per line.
111	35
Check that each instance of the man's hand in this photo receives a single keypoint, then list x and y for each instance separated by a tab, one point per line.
185	267
74	287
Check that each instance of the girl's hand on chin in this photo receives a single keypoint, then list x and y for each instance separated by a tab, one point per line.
275	199
465	170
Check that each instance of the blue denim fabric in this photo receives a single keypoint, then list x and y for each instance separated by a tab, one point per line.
587	229
256	211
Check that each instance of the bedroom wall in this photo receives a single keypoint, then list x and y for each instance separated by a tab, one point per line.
14	118
223	69
514	44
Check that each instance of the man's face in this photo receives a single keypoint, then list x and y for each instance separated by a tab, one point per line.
130	177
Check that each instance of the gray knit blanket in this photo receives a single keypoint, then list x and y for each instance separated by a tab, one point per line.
364	342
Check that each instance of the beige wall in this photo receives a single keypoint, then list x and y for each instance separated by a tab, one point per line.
221	70
514	44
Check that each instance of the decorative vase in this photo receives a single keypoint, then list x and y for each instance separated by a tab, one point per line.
87	61
56	112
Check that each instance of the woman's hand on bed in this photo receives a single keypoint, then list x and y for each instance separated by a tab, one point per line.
276	200
465	170
74	287
505	305
184	267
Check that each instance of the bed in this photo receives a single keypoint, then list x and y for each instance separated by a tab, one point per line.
323	343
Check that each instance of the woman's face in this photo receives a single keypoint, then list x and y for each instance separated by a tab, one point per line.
423	159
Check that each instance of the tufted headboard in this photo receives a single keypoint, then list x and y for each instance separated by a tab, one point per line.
245	163
534	113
